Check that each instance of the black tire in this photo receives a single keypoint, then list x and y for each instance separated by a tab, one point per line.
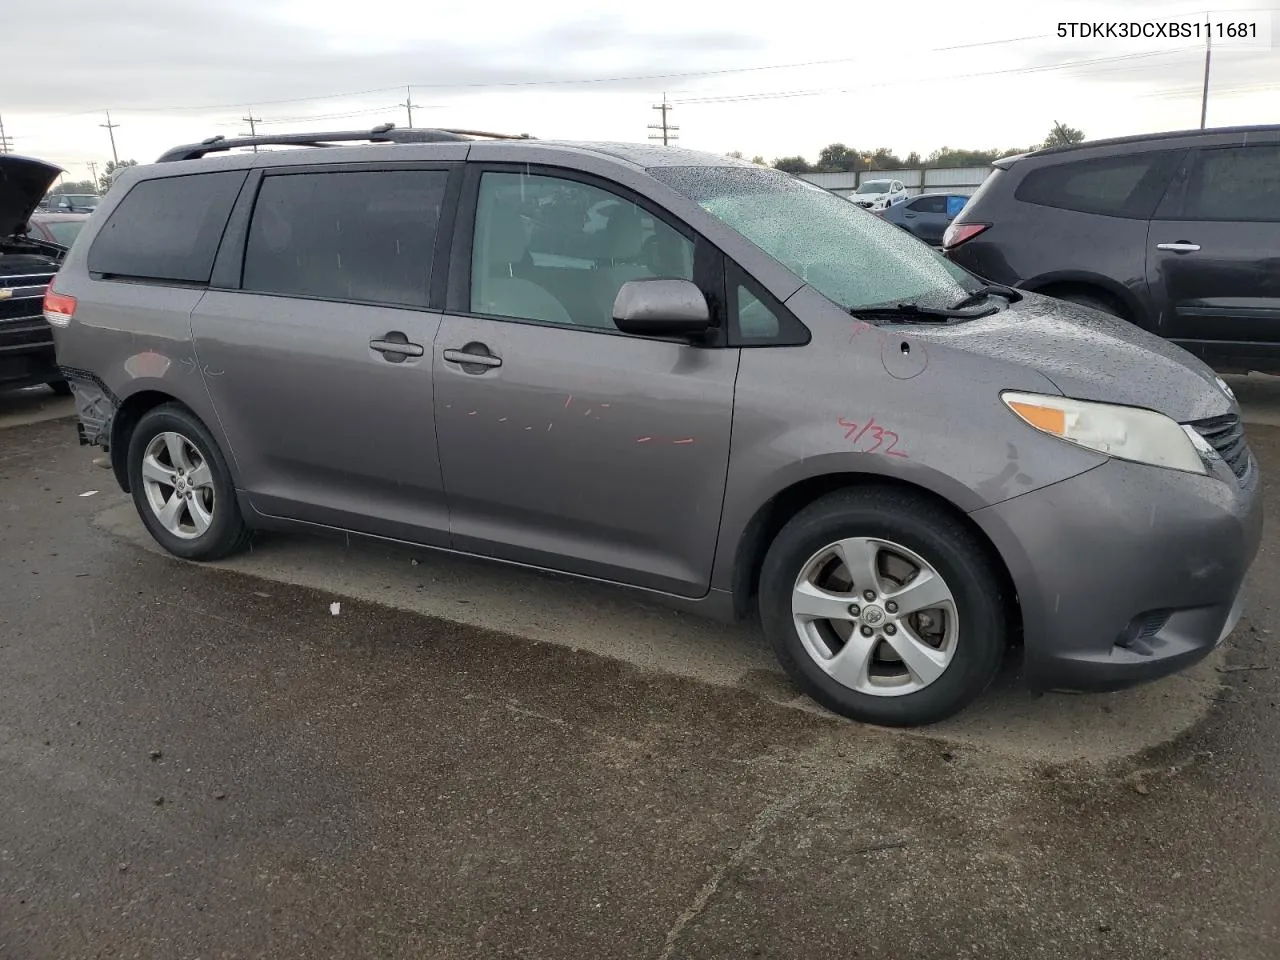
227	532
1093	302
61	388
935	535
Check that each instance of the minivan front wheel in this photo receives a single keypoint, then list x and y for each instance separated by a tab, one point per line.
883	607
181	486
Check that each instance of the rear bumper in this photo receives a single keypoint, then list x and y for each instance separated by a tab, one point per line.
96	407
1127	573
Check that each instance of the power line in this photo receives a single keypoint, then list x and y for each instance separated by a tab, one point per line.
501	84
787	94
6	142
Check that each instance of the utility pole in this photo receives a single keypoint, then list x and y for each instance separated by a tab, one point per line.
6	143
253	128
409	104
111	132
93	169
1208	52
667	130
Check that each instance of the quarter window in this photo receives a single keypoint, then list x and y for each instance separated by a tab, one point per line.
1129	186
557	251
167	228
1235	183
366	236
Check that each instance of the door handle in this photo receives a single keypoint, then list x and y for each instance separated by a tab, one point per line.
395	346
467	358
909	216
1180	247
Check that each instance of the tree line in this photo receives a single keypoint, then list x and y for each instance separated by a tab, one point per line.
839	158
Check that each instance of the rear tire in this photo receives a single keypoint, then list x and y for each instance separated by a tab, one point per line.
182	488
852	541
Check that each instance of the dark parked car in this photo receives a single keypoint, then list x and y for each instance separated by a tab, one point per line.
928	215
27	265
70	203
1177	232
59	228
709	381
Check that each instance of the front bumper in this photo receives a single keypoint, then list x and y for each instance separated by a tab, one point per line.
1127	573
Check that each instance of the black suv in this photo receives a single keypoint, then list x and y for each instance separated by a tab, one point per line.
27	266
1176	232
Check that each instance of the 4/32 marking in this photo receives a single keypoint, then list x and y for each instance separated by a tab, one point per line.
874	433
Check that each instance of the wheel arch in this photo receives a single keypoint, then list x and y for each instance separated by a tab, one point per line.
125	420
774	513
1104	288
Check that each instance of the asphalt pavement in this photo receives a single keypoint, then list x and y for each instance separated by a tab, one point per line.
460	760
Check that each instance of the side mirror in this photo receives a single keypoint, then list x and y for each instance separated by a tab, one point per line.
661	308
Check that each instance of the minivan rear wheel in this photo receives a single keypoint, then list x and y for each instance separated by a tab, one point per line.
883	607
181	486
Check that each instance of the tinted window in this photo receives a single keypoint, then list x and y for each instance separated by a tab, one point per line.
167	229
559	250
367	236
1235	183
1128	186
929	205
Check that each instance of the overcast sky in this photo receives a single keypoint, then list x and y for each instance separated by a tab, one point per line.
909	76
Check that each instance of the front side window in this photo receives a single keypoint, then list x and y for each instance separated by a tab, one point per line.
1235	183
556	250
364	235
167	228
928	205
849	256
1129	186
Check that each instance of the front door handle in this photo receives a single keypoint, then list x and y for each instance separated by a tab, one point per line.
395	347
473	358
1180	247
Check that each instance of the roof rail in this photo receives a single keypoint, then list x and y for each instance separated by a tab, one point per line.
384	133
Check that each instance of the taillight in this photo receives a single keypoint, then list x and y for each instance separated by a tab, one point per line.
58	307
958	233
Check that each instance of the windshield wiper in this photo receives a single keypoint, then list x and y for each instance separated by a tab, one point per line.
915	313
989	290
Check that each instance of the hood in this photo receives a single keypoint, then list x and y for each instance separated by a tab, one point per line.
1090	355
23	184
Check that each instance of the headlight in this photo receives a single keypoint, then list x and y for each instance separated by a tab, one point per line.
1129	433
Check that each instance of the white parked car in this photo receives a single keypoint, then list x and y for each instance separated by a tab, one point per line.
879	194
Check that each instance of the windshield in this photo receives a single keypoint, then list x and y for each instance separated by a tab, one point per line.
848	255
82	199
874	186
64	231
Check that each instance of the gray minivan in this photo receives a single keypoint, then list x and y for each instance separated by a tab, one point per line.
700	378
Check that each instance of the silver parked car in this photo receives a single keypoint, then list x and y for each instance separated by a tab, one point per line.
705	380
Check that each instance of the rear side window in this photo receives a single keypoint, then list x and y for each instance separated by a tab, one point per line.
368	236
1128	186
167	229
955	205
1235	183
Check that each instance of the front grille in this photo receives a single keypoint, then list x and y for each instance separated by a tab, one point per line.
1226	435
22	297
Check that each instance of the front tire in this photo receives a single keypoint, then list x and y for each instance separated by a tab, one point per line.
182	488
61	388
883	607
